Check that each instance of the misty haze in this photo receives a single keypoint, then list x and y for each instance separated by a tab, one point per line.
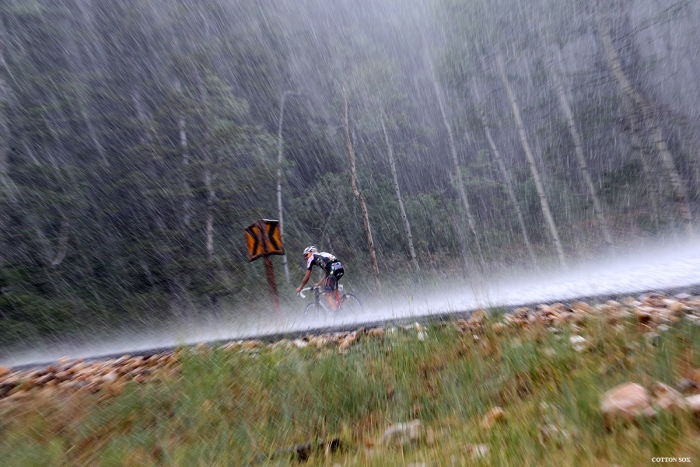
451	154
497	202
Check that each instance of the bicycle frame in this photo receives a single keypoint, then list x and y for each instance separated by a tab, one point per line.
318	291
346	301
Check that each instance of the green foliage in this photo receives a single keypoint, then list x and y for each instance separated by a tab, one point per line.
246	407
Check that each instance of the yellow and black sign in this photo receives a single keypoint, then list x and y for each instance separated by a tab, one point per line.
263	238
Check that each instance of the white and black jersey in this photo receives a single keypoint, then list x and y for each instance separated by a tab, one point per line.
323	260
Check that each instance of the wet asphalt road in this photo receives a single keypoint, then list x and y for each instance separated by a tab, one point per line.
673	268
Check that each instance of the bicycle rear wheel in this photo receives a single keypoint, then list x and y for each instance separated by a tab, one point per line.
350	304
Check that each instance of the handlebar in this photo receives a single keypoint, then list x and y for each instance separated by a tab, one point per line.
305	289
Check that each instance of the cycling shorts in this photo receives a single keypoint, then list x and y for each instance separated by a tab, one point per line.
331	284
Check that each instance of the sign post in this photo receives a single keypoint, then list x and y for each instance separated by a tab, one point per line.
263	238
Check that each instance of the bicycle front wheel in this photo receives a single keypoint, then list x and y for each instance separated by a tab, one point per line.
316	309
350	304
313	309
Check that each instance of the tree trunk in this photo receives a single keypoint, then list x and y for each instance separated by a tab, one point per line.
397	190
455	162
184	146
208	183
506	178
544	203
359	197
639	149
578	149
654	130
209	228
280	213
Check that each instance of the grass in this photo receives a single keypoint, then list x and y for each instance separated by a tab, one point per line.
241	408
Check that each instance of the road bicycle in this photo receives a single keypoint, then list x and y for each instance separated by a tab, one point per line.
347	303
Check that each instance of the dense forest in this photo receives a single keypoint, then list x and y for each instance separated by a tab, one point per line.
412	138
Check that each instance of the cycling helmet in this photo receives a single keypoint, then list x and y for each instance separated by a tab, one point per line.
310	249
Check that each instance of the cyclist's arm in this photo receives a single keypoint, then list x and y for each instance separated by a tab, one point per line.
304	280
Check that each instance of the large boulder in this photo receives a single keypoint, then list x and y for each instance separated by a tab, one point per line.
626	402
693	403
667	398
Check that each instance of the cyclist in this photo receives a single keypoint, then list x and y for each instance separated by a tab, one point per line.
333	271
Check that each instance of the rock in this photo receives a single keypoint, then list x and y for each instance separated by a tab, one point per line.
554	317
346	343
233	345
403	434
493	416
4	371
376	332
251	345
662	315
498	328
643	314
578	343
478	316
6	388
686	385
626	402
110	377
300	343
630	301
676	307
582	307
693	403
667	398
652	299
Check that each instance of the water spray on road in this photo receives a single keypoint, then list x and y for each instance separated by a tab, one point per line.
661	267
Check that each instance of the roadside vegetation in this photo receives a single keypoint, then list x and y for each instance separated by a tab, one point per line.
489	391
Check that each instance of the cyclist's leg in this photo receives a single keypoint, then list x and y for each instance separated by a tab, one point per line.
331	287
337	274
